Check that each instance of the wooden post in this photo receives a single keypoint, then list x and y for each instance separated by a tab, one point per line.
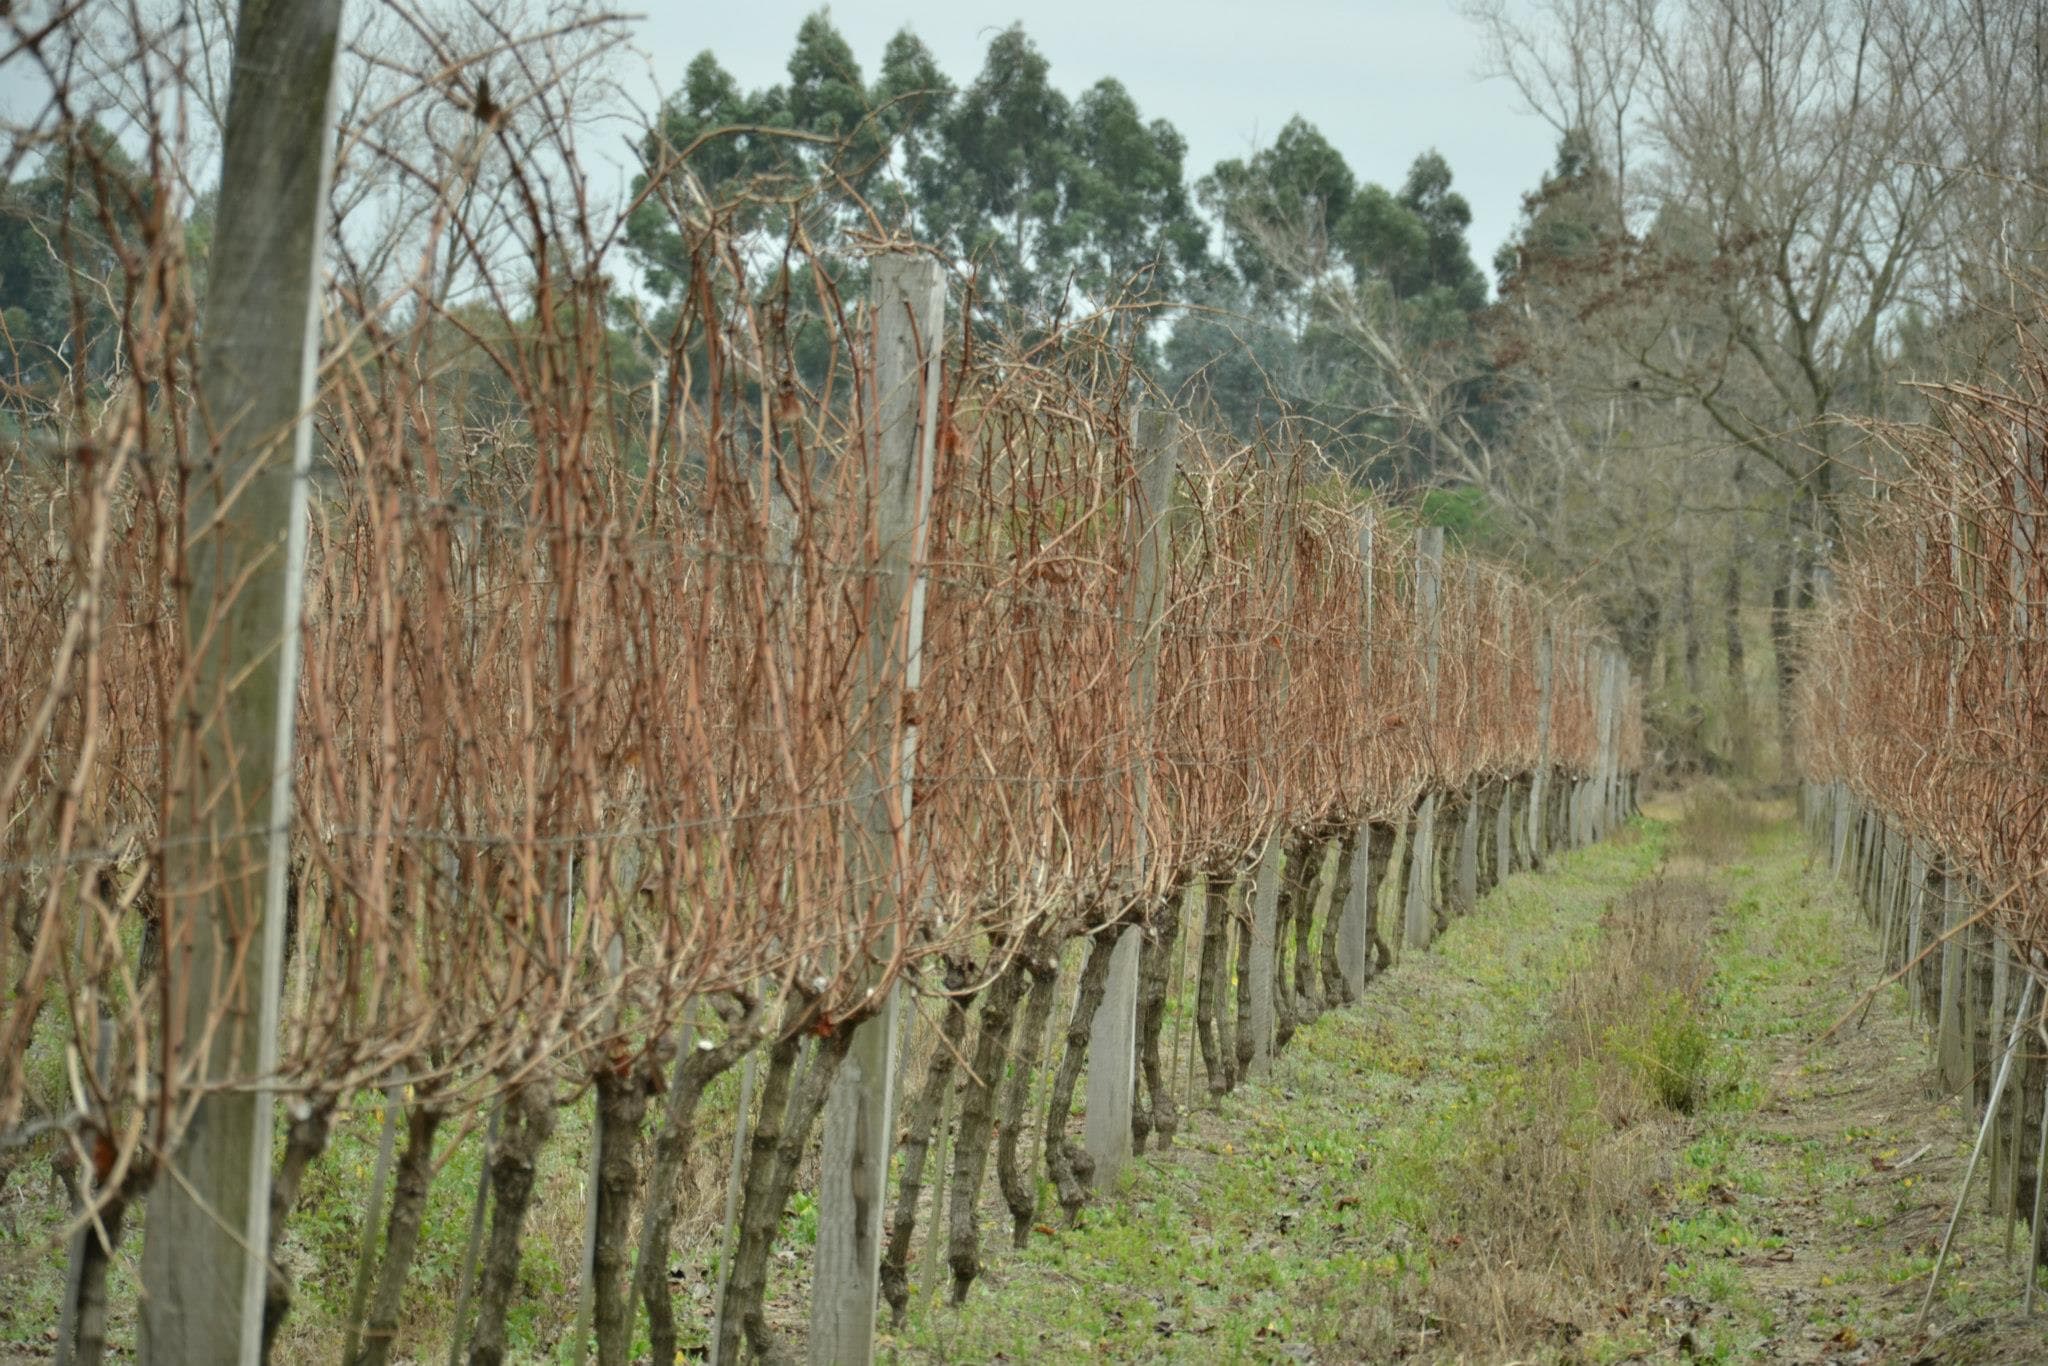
1353	944
1616	806
1582	788
1265	917
1265	906
1429	570
1468	847
909	304
1113	1033
225	831
1839	844
1916	931
1952	1048
1503	833
1539	785
1997	1025
1614	673
1887	896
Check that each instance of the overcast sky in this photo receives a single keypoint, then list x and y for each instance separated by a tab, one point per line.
1384	80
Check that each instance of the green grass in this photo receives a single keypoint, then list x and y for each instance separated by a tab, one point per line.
1324	1187
1365	1199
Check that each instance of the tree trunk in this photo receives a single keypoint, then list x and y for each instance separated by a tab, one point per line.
401	1232
98	1255
977	1121
1020	1187
1286	906
304	1143
1218	1061
1380	854
1308	1001
529	1120
672	1150
622	1095
924	1112
1068	1162
1155	969
788	1115
1244	1038
1336	990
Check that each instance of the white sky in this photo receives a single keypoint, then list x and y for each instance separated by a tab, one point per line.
1383	80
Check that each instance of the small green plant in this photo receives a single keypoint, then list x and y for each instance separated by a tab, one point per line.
1680	1058
803	1219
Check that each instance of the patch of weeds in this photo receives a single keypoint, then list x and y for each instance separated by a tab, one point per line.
1711	1279
1680	1061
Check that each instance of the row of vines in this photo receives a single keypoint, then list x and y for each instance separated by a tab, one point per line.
1922	737
615	795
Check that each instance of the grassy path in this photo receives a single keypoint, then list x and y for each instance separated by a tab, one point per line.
1593	1124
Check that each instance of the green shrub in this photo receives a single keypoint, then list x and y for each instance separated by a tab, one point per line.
1680	1057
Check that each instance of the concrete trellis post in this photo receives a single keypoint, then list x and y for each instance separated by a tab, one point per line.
204	1254
1613	679
1952	1040
1353	943
1539	782
1582	787
1916	927
1265	917
1113	1033
1504	809
1429	570
1467	853
909	302
1266	893
1468	845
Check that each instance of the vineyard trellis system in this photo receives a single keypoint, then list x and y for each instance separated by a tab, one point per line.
850	669
1922	739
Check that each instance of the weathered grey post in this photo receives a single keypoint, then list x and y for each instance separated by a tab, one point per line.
1353	946
1468	845
1429	570
1354	949
1951	1040
909	301
1539	784
1266	891
1113	1034
1887	894
1916	928
1617	807
1840	842
1265	917
1612	673
226	827
1582	787
1502	834
1467	851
